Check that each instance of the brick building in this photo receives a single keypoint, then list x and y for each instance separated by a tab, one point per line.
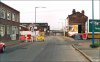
78	18
9	23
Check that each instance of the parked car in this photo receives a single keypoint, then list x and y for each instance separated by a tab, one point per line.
2	47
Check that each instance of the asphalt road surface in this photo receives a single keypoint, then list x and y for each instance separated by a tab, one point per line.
53	49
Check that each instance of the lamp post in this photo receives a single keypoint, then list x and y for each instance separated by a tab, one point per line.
35	18
35	11
93	22
64	27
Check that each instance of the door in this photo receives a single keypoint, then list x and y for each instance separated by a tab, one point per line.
79	28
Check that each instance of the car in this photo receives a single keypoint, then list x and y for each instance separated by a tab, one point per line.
2	47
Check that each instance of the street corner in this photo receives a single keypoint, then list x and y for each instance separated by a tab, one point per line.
92	54
83	53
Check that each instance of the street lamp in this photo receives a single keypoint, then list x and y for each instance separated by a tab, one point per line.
35	11
35	18
64	27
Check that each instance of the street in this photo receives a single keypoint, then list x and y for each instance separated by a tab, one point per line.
52	50
49	31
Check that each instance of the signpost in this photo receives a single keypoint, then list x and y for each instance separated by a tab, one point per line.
96	25
94	28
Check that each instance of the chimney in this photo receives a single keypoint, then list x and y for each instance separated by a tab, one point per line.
82	12
74	11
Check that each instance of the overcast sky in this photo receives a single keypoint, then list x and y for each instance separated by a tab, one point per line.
55	12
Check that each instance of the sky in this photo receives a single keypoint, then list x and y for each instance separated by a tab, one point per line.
54	13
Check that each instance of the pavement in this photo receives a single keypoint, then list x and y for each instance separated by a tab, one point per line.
92	54
12	42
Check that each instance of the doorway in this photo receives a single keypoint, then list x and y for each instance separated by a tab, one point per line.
79	28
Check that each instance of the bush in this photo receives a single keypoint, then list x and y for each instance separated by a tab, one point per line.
97	44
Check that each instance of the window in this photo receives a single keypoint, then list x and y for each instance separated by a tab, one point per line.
14	30
2	30
2	13
17	30
8	29
8	15
13	17
17	18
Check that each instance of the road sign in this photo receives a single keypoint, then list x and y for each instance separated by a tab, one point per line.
96	25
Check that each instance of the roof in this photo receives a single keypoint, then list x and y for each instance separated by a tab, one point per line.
77	16
9	6
25	24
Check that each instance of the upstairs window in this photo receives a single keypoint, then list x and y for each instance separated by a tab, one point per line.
2	13
13	17
8	15
17	18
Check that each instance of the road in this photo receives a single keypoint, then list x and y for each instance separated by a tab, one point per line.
52	50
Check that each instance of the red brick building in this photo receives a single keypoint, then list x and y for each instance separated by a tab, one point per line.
78	18
9	23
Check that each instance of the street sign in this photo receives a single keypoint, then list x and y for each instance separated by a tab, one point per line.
96	25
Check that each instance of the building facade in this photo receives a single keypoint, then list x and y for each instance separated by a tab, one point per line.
43	27
9	23
26	26
78	18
